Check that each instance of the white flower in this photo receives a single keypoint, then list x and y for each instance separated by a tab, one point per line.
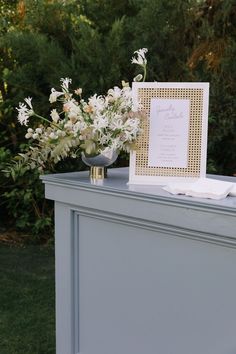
78	126
35	136
65	84
54	95
132	123
140	58
70	105
117	123
115	92
104	139
131	129
100	122
72	108
24	113
116	143
127	92
54	115
97	102
28	101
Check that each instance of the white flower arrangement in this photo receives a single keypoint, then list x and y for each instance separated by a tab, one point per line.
97	125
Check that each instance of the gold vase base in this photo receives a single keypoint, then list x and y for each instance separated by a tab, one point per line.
97	172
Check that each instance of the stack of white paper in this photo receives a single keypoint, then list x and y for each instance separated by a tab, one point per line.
203	188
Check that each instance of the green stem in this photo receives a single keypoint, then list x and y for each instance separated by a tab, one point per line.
144	73
47	120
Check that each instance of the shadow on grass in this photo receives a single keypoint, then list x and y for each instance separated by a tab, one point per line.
27	297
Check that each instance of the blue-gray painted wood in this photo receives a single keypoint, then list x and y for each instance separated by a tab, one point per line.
139	271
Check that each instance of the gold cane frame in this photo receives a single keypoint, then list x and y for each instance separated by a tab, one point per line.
197	94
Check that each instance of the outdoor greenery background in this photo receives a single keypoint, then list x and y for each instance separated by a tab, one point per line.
92	41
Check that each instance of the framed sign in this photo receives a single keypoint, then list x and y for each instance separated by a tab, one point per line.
173	142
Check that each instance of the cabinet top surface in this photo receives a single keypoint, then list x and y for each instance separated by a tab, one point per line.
117	183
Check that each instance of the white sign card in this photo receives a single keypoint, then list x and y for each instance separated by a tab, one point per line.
173	144
169	132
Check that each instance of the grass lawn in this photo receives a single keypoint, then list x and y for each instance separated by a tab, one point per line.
27	297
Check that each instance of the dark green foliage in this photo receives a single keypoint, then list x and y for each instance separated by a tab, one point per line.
27	297
5	156
25	203
162	26
213	59
92	41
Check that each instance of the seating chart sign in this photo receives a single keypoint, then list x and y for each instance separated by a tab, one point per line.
168	135
172	145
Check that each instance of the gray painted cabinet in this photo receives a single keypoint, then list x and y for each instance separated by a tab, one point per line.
139	271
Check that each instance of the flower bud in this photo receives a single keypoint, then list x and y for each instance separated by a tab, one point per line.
28	135
38	130
138	78
78	91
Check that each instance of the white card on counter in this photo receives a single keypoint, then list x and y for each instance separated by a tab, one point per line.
169	133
